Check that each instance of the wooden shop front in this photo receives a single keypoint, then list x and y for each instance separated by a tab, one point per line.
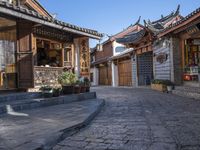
35	49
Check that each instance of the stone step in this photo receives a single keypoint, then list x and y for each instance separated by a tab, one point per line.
26	104
187	92
188	89
19	96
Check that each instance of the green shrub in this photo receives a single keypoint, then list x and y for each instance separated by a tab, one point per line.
164	82
67	78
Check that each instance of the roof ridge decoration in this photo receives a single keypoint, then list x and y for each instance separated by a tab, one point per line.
183	19
160	24
137	23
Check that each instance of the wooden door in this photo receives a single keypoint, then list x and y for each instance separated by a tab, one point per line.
24	55
125	73
145	68
105	75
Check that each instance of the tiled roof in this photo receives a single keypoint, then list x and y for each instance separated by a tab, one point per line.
184	19
160	24
34	14
100	61
132	37
168	17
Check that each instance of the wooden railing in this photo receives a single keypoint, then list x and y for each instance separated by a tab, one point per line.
46	75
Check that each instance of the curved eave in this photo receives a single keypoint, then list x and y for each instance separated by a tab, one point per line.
22	13
183	22
132	40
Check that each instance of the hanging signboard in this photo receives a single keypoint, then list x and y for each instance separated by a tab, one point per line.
162	57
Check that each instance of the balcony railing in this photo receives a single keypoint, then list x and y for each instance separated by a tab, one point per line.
46	75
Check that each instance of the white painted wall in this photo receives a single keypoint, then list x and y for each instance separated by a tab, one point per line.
115	79
116	45
95	72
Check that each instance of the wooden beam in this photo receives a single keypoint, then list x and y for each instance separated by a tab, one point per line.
8	28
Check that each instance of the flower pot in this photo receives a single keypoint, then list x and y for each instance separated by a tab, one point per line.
169	88
77	90
68	89
87	88
83	89
56	93
47	94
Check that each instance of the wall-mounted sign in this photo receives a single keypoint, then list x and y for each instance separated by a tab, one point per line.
162	57
196	41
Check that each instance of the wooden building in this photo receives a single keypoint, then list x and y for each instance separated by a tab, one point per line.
35	47
101	67
142	42
123	62
184	43
111	61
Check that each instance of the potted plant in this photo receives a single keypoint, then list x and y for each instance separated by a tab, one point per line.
47	91
77	88
56	91
87	84
67	80
82	85
169	85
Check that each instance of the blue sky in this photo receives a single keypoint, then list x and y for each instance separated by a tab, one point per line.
112	16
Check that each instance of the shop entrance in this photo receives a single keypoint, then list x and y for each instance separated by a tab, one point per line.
8	73
192	62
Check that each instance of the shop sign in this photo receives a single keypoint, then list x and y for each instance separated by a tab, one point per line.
162	57
196	41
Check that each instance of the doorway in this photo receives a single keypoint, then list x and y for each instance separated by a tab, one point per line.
8	73
192	62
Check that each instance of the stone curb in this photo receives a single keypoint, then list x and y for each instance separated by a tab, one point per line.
48	144
27	104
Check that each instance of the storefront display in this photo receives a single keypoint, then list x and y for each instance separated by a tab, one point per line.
192	60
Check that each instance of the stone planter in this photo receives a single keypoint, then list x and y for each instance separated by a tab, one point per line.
83	89
159	87
87	88
68	89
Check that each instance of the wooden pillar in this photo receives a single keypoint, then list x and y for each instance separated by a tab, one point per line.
82	57
77	56
62	55
25	49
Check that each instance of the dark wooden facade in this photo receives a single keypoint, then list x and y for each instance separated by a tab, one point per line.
185	45
42	46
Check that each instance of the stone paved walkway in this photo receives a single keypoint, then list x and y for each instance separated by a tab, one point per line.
140	119
30	129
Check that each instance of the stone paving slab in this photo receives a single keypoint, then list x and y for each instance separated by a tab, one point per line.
43	127
139	119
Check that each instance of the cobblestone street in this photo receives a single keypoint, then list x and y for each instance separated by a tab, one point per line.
140	119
